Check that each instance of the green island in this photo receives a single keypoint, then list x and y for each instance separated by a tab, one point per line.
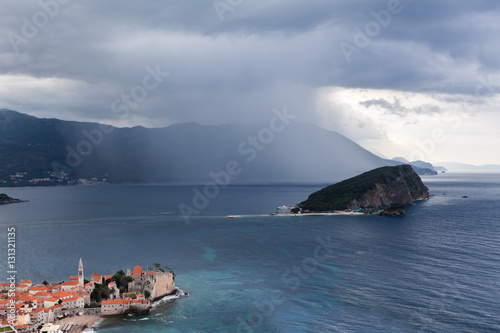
382	191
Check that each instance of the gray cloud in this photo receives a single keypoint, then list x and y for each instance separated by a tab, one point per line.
396	108
262	55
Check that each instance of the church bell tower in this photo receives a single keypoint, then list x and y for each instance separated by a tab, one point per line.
80	274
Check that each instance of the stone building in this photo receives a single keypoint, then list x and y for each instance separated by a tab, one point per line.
96	278
156	282
73	303
70	286
124	306
139	306
114	291
115	307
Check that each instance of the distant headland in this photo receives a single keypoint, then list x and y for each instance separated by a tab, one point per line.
81	303
5	199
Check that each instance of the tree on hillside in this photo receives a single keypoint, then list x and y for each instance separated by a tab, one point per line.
121	280
100	292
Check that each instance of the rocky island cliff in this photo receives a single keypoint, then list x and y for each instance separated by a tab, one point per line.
5	199
383	190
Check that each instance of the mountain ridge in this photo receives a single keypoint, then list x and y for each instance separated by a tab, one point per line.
40	151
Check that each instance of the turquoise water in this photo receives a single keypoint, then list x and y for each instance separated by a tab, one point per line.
435	270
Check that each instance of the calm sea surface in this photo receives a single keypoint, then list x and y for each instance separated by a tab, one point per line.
435	270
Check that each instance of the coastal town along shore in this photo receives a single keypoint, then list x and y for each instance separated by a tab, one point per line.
29	307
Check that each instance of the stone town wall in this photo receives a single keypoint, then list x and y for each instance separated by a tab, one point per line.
137	285
162	285
158	284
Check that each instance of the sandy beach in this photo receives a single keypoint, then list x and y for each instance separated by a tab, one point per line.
80	322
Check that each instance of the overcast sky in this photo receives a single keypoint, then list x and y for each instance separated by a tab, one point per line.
418	79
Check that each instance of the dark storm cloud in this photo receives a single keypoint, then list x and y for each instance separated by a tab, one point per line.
258	55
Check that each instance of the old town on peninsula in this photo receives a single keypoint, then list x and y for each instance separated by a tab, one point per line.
50	307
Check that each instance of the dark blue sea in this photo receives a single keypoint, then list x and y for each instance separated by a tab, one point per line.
435	270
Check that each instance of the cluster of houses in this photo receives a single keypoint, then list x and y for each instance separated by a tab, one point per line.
51	178
31	306
27	307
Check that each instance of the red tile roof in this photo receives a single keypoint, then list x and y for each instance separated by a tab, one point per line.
41	288
27	298
139	301
116	301
70	283
41	294
61	294
137	270
74	298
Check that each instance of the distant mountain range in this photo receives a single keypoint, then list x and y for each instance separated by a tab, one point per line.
421	167
36	151
451	166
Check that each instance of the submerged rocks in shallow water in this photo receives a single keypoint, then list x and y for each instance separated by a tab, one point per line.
394	210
